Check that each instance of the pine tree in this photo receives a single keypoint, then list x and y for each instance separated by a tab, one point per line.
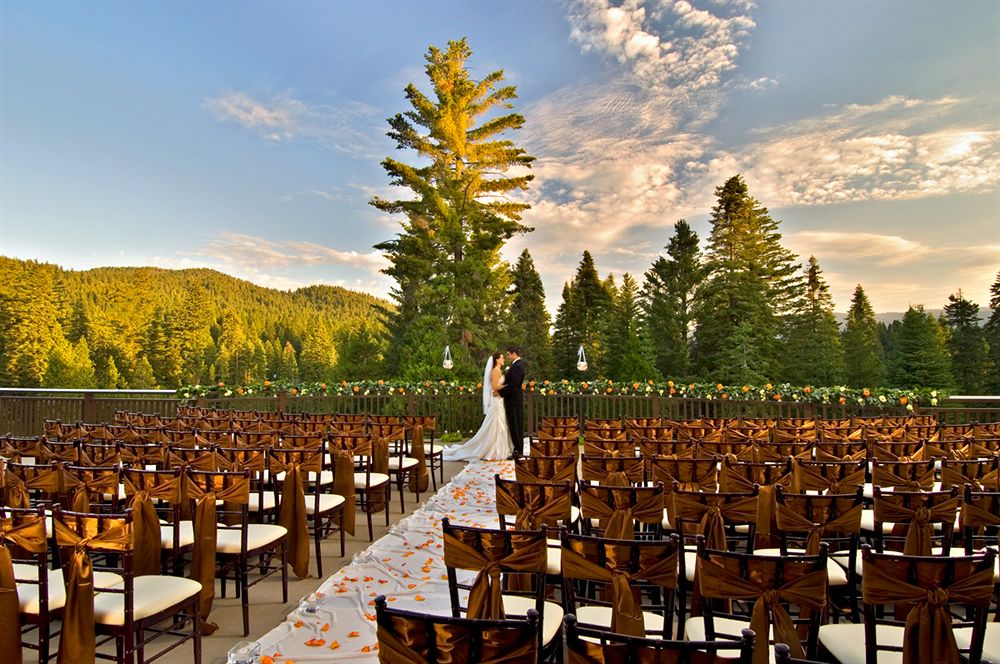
529	320
581	320
69	365
668	296
142	377
318	355
752	287
814	354
446	262
235	351
360	353
108	377
919	357
992	330
288	369
864	353
629	352
970	359
28	321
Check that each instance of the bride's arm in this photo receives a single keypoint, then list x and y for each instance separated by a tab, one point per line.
495	378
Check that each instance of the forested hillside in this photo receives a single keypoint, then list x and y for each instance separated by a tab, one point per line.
150	327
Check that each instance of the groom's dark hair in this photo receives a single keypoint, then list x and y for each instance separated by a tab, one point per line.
514	349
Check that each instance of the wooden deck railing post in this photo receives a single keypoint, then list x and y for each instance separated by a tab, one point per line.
529	408
88	408
282	401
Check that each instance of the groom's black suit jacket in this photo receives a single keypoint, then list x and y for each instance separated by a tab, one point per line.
511	390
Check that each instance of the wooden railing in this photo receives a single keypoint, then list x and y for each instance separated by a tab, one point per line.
23	411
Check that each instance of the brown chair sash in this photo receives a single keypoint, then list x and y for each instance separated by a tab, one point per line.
145	521
618	520
49	480
603	468
30	536
407	643
702	475
921	520
343	485
952	476
712	517
808	478
485	601
731	481
419	478
849	522
293	518
885	475
928	635
78	642
974	516
545	469
809	591
536	509
626	610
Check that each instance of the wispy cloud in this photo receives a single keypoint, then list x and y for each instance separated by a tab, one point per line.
312	193
229	247
351	128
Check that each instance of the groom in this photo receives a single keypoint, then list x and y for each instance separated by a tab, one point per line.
513	398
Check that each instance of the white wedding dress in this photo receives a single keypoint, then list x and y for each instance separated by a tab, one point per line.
491	442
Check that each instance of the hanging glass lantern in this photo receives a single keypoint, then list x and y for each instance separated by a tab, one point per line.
581	359
448	363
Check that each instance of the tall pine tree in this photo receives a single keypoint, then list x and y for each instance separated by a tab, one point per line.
814	354
919	357
864	354
318	355
529	319
629	354
446	262
970	359
581	320
69	366
668	298
753	286
993	338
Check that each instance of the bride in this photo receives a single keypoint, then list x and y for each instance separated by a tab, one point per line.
492	441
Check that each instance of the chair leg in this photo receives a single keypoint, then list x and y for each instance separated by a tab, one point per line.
342	531
196	626
284	572
317	536
399	484
388	497
245	590
43	642
368	513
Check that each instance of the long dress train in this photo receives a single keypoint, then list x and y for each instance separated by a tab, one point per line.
491	442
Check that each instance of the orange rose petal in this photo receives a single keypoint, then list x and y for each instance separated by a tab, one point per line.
334	645
353	634
420	598
325	627
411	586
316	643
366	649
298	623
266	659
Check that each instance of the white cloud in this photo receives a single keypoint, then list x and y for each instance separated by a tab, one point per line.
350	128
237	248
311	193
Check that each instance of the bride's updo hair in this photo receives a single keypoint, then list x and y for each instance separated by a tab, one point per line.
496	356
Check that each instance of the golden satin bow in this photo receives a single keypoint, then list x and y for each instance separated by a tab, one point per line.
952	476
292	514
702	475
974	516
885	475
808	591
407	642
29	535
343	485
730	480
77	645
145	520
601	468
656	566
928	635
849	522
419	478
546	506
921	520
485	602
712	517
809	478
625	508
551	469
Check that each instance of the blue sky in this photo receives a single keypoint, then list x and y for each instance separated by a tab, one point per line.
247	137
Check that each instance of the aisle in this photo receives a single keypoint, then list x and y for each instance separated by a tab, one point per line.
406	565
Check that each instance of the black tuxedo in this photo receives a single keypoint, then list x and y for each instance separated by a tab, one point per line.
513	403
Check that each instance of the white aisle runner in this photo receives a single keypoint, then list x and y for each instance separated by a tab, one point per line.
407	566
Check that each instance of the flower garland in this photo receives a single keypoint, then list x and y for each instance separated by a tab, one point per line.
838	394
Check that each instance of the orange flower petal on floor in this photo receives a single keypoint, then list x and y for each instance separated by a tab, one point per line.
316	643
411	586
325	627
353	634
266	659
366	649
334	645
420	598
298	623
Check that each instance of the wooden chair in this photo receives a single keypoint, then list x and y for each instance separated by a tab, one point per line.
554	447
434	454
622	586
531	505
654	447
981	474
131	610
613	447
980	519
769	587
918	523
612	469
372	483
519	555
925	592
783	655
408	636
545	468
41	592
586	645
622	512
828	476
687	474
163	489
237	540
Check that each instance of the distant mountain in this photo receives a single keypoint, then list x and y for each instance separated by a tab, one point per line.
181	326
889	316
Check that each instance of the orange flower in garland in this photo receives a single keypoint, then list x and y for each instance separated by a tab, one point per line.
903	401
866	392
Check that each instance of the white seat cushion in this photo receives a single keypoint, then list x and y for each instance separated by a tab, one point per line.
843	559
836	574
694	630
325	477
377	479
991	642
265	501
600	616
516	605
846	642
327	502
554	564
185	536
868	523
259	535
153	594
408	462
690	558
27	593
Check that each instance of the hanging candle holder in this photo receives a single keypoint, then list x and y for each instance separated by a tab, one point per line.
581	359
448	363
